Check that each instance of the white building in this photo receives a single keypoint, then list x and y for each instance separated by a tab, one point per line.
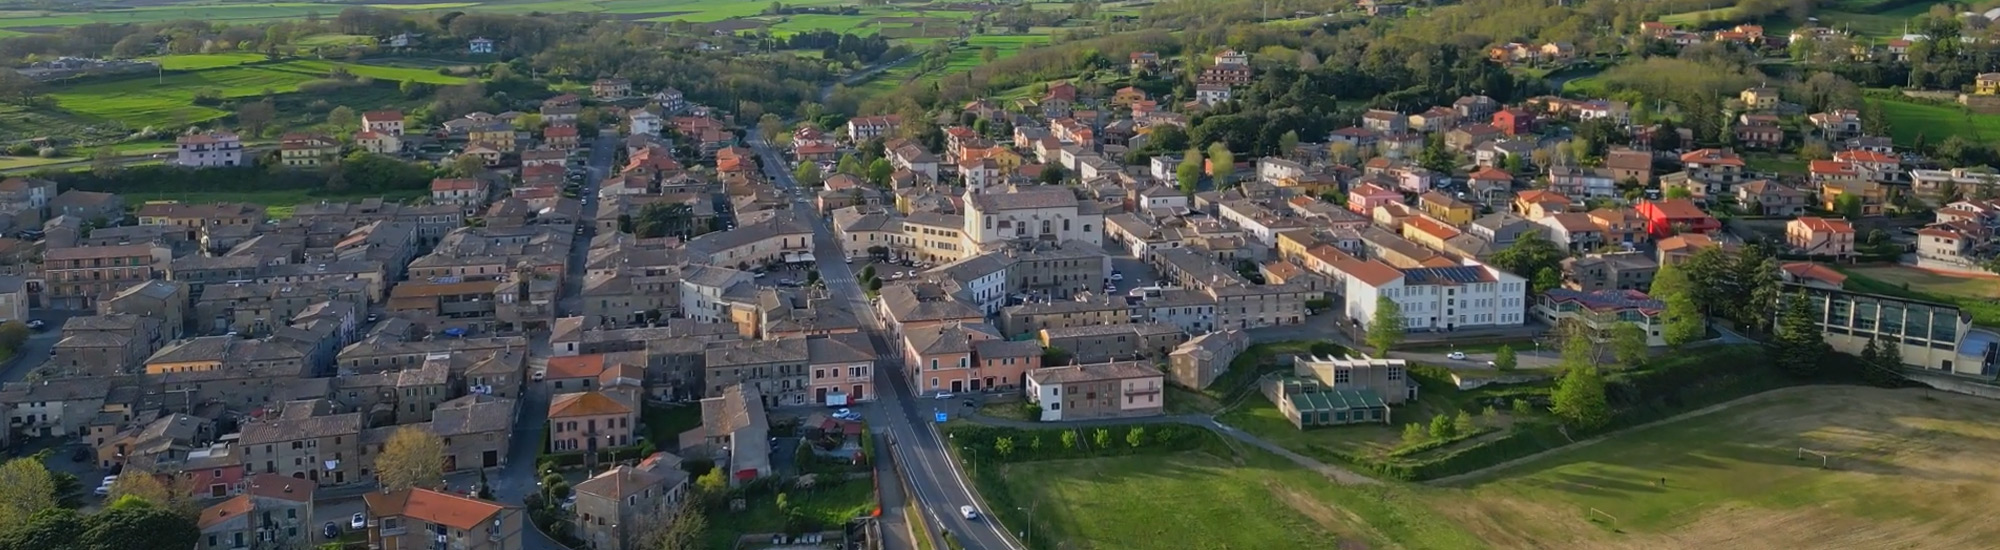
646	123
209	150
1211	94
702	289
1045	213
1438	298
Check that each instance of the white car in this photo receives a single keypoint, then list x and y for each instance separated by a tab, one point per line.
1116	276
968	512
358	522
945	395
1456	355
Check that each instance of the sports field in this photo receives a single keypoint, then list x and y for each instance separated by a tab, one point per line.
1908	469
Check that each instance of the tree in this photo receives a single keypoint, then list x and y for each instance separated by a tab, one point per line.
1871	354
1579	398
1385	329
1005	445
1848	205
1530	254
807	174
466	166
850	165
1102	437
1436	157
687	531
49	529
1053	174
1547	279
879	172
1069	439
26	487
255	116
1288	142
1799	346
1679	193
151	489
770	126
1136	437
1490	416
341	118
709	487
1628	343
1578	350
1221	162
1441	427
1504	358
1413	434
660	219
989	54
1523	408
1891	356
413	457
1461	423
1188	173
133	524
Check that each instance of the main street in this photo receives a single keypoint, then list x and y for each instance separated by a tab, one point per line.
939	485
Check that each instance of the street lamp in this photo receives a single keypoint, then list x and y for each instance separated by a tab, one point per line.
1027	537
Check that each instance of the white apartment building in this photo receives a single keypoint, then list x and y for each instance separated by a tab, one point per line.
1046	213
207	150
1438	298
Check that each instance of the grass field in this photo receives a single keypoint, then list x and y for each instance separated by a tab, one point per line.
169	100
1199	500
831	506
1910	469
1908	119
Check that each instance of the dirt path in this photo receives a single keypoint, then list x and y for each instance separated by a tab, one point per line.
1711	409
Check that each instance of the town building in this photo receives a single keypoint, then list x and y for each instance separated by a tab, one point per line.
1123	389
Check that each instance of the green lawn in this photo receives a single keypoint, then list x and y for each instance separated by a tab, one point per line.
1691	18
1906	466
1775	162
1198	500
664	424
169	101
830	506
1936	122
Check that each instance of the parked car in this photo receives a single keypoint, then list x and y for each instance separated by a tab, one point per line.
358	522
945	395
1116	276
331	530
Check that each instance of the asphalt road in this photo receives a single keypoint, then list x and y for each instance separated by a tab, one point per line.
941	489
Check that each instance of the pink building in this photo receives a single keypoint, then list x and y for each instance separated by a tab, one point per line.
1367	196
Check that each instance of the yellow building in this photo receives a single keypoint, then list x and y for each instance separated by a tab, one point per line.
497	136
1428	232
1759	98
1987	84
1447	209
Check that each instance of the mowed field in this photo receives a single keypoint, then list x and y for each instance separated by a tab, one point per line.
1196	500
1909	469
1936	122
140	101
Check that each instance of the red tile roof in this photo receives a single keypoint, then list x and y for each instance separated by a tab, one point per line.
432	506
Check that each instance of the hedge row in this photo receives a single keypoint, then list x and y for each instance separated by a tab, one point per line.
983	441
